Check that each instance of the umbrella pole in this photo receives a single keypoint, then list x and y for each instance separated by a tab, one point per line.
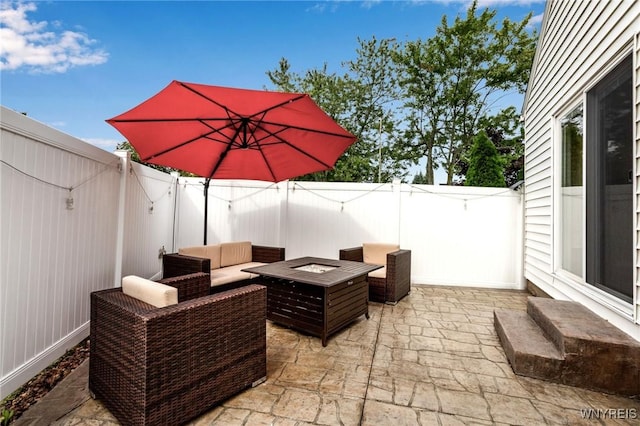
206	207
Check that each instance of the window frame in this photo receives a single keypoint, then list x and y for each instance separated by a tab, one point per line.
558	175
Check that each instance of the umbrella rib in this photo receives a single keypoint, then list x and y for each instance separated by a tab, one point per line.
283	141
308	129
157	154
204	135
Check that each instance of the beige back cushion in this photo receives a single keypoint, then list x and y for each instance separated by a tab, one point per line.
376	253
235	253
153	293
211	252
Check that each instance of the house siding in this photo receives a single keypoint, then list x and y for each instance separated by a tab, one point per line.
579	41
636	240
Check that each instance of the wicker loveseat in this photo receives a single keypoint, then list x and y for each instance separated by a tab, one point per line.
388	284
224	262
166	365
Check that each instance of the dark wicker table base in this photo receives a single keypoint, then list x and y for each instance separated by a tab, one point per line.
317	304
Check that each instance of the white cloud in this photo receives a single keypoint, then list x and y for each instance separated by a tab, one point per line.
492	4
26	44
536	20
482	4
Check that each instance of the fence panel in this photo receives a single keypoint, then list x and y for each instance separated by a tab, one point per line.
458	235
324	217
57	239
238	211
148	220
463	236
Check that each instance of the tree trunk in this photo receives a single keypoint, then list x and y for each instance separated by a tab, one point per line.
428	175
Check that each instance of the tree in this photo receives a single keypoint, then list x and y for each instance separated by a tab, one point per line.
419	178
485	165
507	135
452	81
361	101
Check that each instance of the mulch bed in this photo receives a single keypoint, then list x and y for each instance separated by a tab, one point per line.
40	385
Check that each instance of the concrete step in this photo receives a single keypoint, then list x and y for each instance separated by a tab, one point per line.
564	342
528	350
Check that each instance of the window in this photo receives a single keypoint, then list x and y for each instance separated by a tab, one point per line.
609	150
572	192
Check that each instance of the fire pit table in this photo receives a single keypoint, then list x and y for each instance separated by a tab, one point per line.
315	295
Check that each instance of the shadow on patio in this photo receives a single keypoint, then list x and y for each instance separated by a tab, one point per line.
434	358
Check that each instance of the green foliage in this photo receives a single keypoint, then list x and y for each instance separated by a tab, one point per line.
421	179
485	166
451	81
5	416
359	100
507	135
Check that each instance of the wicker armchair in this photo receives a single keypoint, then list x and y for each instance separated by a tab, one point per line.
396	280
168	365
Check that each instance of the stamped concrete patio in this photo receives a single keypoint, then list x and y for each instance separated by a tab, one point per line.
433	359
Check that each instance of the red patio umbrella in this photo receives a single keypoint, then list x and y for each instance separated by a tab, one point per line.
229	133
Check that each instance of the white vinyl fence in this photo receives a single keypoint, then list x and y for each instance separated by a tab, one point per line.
74	219
54	252
457	235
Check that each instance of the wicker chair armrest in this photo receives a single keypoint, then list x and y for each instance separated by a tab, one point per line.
267	254
399	265
354	254
175	265
190	286
230	300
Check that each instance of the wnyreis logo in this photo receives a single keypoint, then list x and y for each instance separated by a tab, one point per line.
609	413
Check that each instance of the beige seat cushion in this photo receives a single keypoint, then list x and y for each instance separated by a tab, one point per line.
379	273
233	273
153	293
211	252
235	253
376	253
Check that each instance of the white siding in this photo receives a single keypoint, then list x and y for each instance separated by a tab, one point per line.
636	85
578	41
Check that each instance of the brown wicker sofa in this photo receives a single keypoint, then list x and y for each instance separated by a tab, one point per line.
224	262
167	365
391	283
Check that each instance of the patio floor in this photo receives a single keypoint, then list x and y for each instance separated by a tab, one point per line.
433	359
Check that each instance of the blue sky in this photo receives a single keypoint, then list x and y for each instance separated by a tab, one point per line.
74	64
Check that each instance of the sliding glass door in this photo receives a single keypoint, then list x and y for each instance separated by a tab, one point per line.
609	187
